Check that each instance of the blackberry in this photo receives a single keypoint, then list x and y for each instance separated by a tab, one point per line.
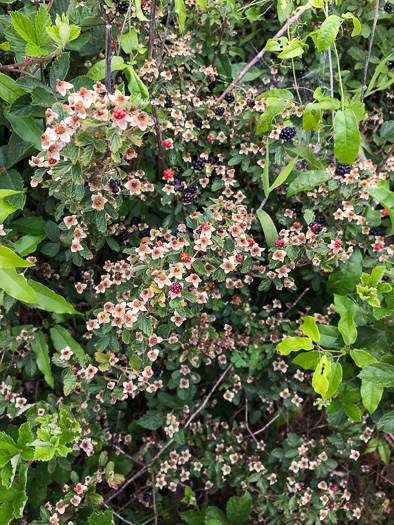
135	221
219	112
388	6
192	188
101	468
287	133
279	243
168	103
76	368
229	98
114	185
123	236
315	227
375	231
343	168
198	123
370	422
385	278
198	164
145	232
181	170
179	186
320	219
188	198
296	208
123	7
258	405
157	370
176	288
212	160
251	103
147	496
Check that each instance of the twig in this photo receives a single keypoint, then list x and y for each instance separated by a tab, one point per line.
152	28
375	21
159	137
247	422
49	5
108	57
119	516
154	498
126	16
165	34
20	71
220	37
296	301
267	425
263	51
146	467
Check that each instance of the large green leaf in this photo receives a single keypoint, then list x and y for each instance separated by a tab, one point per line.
371	394
347	328
62	338
180	10
151	420
101	518
16	286
386	199
347	136
40	348
281	178
97	72
26	128
307	181
28	243
386	422
327	32
238	509
381	374
320	377
362	358
9	89
9	259
293	344
269	228
136	86
334	380
310	329
344	279
51	301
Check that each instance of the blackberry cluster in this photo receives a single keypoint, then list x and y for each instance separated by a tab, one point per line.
229	98
76	367
157	370
198	164
114	185
376	231
296	208
178	185
343	168
315	227
287	133
388	6
188	198
176	288
219	112
145	232
198	123
181	170
168	103
251	103
320	219
211	159
192	188
123	7
123	236
136	220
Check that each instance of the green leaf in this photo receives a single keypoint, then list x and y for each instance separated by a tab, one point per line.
362	358
320	377
25	128
201	3
59	69
42	21
101	518
146	325
310	329
306	154
97	72
9	259
384	451
327	32
24	27
136	86
293	344
16	286
277	93
386	422
62	338
9	89
347	328
269	228
69	382
7	193
352	411
344	304
356	23
347	136
40	348
281	178
26	436
381	374
344	279
43	453
371	395
28	244
139	12
334	380
307	181
308	360
130	41
6	513
180	10
238	509
273	110
152	420
50	301
386	199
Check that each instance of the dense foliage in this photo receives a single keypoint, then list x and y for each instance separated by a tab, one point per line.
196	240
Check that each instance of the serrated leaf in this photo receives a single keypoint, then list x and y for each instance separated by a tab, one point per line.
43	453
24	27
381	374
152	420
307	181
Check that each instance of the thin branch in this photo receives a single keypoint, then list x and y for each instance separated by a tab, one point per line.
267	425
126	16
263	51
296	301
220	37
119	516
375	21
49	5
165	34
191	418
152	28
20	71
247	422
154	498
108	57
159	137
28	62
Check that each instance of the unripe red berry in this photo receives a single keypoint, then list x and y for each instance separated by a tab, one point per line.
297	224
167	143
168	174
251	241
279	243
119	112
185	257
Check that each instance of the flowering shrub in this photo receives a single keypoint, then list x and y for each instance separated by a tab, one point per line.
196	262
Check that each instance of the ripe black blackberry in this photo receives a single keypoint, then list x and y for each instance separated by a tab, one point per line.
123	7
315	227
212	160
168	103
178	185
114	185
320	219
188	198
229	98
343	168
147	496
388	6
192	188
287	133
219	111
370	422
198	164
251	103
145	232
123	236
376	231
181	170
296	208
198	123
385	278
136	220
157	370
